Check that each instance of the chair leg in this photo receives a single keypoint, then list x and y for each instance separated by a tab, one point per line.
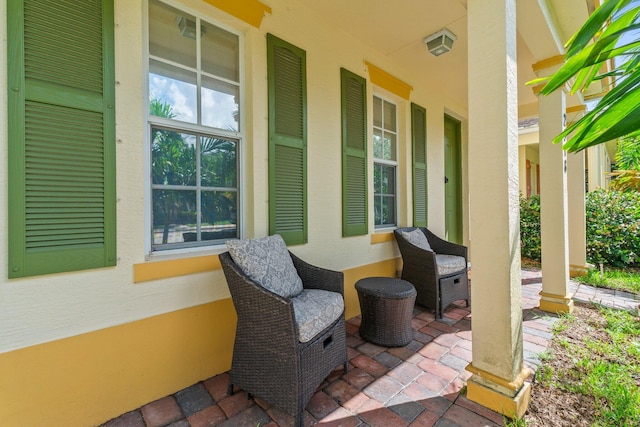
346	366
230	389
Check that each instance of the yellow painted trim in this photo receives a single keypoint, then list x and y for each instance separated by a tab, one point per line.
536	89
381	78
514	384
175	267
576	109
385	268
578	270
556	307
512	407
554	297
250	11
90	378
596	95
552	303
546	63
382	237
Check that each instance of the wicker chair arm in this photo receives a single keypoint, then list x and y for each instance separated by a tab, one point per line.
314	277
442	246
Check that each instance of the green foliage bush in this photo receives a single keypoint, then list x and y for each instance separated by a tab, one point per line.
612	222
530	227
613	227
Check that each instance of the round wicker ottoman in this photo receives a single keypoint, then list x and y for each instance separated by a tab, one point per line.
387	308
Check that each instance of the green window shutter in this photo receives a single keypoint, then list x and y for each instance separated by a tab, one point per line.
354	153
419	149
61	136
287	86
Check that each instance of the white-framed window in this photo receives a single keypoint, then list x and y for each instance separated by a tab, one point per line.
385	162
194	105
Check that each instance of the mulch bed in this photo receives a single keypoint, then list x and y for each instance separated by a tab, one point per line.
551	406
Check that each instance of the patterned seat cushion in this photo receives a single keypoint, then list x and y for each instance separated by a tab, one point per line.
448	264
314	310
267	261
417	238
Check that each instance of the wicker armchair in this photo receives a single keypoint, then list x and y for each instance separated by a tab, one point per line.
269	361
436	289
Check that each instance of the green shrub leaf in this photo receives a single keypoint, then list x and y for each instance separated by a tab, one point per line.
612	228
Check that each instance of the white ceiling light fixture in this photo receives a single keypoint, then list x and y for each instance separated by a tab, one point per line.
187	27
440	42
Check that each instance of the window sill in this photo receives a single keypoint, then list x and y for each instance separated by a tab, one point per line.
189	252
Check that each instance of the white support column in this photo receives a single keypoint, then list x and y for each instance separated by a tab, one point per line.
577	214
595	166
498	380
555	296
522	169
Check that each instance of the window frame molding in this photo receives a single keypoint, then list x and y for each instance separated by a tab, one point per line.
149	121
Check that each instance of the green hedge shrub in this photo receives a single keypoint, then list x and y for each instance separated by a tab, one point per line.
612	222
530	227
613	227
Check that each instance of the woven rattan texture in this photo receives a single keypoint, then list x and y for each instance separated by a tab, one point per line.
269	362
386	305
420	269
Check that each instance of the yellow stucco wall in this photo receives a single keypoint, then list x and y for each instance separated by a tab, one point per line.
36	310
78	348
90	378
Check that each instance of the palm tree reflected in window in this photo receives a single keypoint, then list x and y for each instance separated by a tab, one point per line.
194	185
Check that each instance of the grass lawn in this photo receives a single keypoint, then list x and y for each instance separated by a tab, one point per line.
613	278
590	374
622	279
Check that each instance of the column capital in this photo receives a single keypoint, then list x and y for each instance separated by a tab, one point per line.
546	67
576	109
553	62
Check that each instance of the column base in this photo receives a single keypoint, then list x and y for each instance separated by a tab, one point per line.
509	398
556	303
579	270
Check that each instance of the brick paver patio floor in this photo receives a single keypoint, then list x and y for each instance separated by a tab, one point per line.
415	385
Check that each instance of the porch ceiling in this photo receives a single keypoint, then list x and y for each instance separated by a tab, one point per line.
396	29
